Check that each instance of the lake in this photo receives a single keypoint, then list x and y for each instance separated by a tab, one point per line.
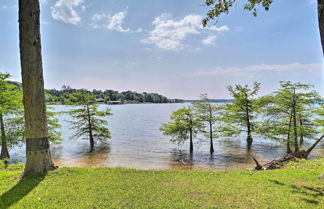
138	143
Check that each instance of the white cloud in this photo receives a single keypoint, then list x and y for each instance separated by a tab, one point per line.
210	40
66	11
114	23
170	34
117	21
218	29
285	68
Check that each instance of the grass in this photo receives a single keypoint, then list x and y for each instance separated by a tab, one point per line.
295	187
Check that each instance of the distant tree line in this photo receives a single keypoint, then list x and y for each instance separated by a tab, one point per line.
61	96
210	100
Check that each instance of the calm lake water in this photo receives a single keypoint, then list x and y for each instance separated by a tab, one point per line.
137	143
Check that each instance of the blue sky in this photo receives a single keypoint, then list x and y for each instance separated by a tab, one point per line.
160	46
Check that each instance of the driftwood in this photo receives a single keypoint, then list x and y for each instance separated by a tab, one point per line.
280	162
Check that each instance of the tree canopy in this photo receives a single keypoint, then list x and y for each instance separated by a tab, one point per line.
10	105
88	120
288	114
207	112
184	125
240	116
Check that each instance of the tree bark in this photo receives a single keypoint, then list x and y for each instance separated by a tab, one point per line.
301	139
191	144
314	145
38	157
320	8
90	130
249	138
91	143
295	123
211	138
280	162
288	137
4	147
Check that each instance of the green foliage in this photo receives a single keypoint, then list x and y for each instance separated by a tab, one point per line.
240	116
219	7
295	187
292	99
319	117
54	135
10	106
183	123
15	128
10	95
87	118
207	113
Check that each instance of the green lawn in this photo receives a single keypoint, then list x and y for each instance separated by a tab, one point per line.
296	187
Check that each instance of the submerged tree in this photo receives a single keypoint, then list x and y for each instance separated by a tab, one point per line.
206	112
288	114
10	103
184	125
88	119
219	7
240	116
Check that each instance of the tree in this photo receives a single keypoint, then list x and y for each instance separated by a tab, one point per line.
184	125
10	102
288	114
219	7
206	112
54	136
239	116
15	130
319	120
88	120
38	157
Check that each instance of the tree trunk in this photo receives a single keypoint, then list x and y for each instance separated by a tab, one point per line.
295	123
288	137
281	162
4	147
301	139
90	129
249	138
211	138
320	8
191	144
38	157
91	142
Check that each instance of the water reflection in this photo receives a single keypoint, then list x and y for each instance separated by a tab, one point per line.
98	157
137	143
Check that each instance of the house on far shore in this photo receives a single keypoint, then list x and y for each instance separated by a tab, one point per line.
114	102
100	100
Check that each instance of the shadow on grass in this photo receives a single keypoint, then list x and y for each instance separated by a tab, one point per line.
18	192
312	194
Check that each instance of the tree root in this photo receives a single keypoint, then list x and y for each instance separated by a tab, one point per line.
281	162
